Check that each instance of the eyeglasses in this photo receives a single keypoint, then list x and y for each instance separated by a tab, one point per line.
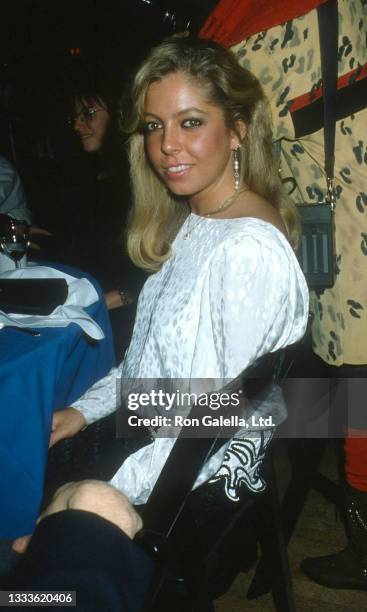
86	113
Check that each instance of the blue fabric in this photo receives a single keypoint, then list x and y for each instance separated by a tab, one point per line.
38	375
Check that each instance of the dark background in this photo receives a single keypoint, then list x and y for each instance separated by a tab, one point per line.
44	46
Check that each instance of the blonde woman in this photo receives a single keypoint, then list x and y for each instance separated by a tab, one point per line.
212	225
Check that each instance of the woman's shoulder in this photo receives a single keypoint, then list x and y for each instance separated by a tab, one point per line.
251	205
254	233
253	243
254	249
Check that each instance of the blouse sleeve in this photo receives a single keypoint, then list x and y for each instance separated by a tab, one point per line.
258	300
101	398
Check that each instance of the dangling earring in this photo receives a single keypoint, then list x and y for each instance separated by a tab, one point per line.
236	168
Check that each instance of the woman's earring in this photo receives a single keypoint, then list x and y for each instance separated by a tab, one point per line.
236	168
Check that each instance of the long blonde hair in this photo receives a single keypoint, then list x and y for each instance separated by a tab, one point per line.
157	214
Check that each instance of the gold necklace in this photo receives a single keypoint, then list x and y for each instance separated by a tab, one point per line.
226	204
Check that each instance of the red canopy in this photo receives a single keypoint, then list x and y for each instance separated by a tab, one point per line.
234	20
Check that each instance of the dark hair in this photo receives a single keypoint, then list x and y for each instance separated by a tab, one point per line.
95	83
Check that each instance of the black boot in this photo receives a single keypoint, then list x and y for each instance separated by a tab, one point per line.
348	568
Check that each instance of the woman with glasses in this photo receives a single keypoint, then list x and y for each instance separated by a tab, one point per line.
106	198
101	198
90	122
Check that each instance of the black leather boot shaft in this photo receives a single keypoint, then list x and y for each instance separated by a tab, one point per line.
348	568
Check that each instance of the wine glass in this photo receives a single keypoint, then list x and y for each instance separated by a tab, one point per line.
13	239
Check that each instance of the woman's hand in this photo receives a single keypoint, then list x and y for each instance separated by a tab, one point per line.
29	231
23	229
66	424
34	230
116	298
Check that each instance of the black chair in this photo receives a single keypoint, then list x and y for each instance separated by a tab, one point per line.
187	575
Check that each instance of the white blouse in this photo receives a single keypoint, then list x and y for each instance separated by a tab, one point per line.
231	291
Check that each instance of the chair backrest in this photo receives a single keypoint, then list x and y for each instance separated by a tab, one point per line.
190	452
166	509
